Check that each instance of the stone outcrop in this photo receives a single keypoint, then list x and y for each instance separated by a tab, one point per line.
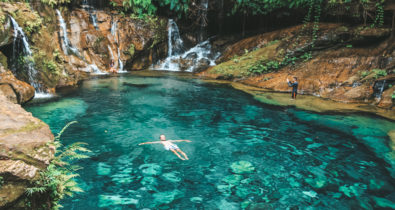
15	90
24	150
344	66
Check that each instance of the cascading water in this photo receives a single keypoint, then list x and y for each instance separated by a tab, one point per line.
120	64
203	20
114	26
94	20
197	57
28	63
111	54
67	47
378	88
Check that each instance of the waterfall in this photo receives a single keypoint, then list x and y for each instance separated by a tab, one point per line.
176	45
94	20
109	49
378	88
28	62
178	60
120	64
114	27
67	47
96	70
203	20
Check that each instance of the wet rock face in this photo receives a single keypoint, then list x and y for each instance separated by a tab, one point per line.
24	150
120	39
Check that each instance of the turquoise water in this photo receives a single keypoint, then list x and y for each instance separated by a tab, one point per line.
243	154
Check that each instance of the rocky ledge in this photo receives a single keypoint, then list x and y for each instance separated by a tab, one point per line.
24	151
345	64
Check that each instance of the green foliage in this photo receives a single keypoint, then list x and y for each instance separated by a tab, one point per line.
1	181
57	181
131	49
364	74
393	95
379	20
53	3
266	67
379	73
143	8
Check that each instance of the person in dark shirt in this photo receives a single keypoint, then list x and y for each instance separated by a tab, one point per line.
294	86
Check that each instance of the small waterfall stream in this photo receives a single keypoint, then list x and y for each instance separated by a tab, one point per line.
67	47
180	60
114	28
94	20
28	62
378	88
203	20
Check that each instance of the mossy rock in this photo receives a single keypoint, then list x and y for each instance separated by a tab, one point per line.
3	60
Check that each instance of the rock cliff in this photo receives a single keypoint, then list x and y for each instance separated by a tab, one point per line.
344	64
24	151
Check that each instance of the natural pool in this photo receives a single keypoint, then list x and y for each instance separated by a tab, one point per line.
244	153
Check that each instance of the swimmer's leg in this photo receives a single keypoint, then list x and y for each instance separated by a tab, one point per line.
178	155
185	155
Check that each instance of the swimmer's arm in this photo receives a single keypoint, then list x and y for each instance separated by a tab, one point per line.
152	142
179	140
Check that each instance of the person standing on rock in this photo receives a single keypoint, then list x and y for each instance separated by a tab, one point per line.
170	146
294	86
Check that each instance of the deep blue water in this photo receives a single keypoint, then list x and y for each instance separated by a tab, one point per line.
299	160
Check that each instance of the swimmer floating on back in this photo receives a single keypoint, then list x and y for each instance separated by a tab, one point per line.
170	146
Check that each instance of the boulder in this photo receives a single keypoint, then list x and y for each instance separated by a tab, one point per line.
14	89
201	65
24	150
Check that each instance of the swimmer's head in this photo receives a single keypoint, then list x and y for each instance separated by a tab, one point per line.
162	137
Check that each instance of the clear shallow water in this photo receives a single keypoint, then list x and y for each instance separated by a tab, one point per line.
294	162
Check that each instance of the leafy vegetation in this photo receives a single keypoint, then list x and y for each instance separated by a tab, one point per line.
379	73
53	3
58	180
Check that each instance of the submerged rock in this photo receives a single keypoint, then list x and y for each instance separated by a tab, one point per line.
196	200
383	203
114	200
103	169
242	167
166	197
310	193
233	179
172	176
151	169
